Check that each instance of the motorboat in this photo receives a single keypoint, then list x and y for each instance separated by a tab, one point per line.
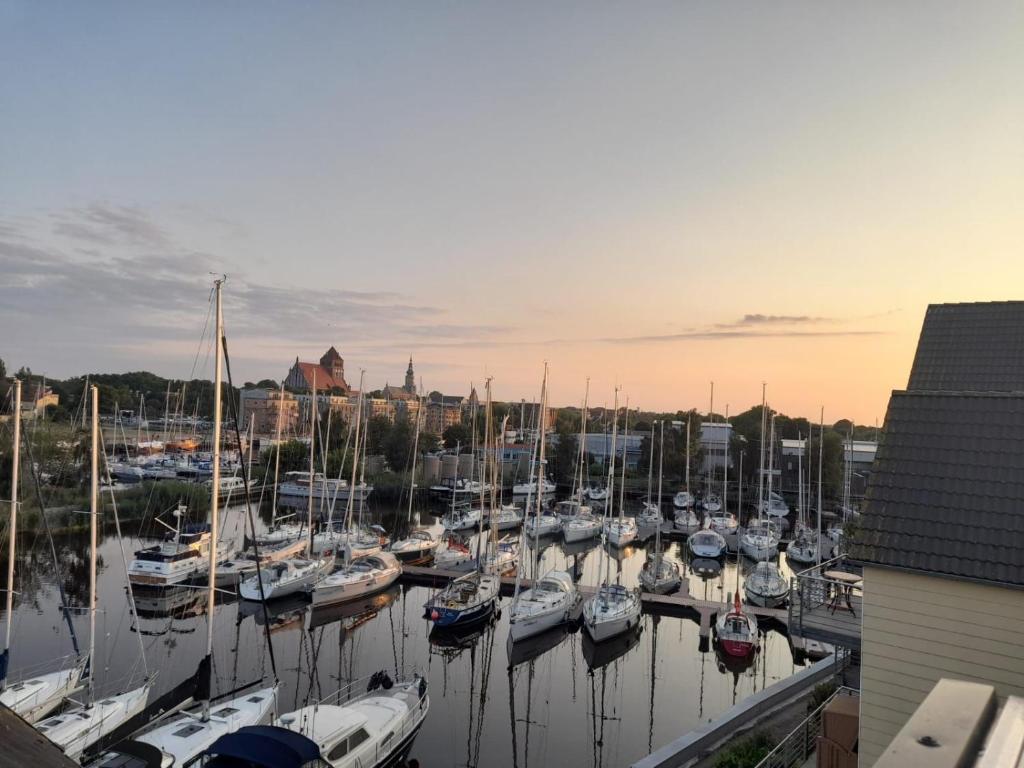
620	532
230	571
419	545
297	485
660	574
760	541
551	601
287	577
179	558
182	740
736	632
370	724
361	577
683	500
712	504
766	586
612	611
466	600
707	543
581	528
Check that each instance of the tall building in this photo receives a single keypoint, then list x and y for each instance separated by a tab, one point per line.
329	374
410	379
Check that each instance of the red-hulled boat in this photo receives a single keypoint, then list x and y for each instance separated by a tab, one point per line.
737	632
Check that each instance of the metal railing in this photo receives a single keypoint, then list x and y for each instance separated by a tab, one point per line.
800	743
826	607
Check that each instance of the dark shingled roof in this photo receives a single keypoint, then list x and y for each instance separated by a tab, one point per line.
946	494
971	347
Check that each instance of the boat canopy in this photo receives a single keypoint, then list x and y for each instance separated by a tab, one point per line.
266	746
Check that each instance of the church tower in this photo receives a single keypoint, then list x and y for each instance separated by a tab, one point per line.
410	379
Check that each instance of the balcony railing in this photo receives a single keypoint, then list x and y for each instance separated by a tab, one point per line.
826	602
800	743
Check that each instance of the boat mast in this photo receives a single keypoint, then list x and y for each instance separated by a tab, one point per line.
215	490
415	448
821	444
12	531
760	470
312	443
540	472
661	470
277	455
94	503
800	480
711	420
650	469
355	465
689	497
611	486
625	444
725	475
488	426
771	462
578	490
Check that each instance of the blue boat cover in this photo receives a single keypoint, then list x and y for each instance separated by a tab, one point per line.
265	746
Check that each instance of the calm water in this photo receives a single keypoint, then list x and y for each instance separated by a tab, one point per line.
554	700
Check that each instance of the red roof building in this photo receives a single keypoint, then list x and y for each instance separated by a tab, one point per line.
329	374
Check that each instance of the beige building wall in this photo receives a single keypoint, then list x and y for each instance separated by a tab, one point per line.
918	629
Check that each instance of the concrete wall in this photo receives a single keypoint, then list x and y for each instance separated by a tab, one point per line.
918	629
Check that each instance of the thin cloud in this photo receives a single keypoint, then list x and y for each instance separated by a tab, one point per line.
755	320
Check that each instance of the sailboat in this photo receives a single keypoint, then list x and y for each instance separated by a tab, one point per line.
650	515
614	609
686	519
660	574
371	723
39	694
736	631
363	576
553	599
420	544
578	522
804	546
765	585
298	574
500	556
760	541
182	739
470	598
82	724
622	531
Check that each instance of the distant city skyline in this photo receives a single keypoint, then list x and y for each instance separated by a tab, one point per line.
656	195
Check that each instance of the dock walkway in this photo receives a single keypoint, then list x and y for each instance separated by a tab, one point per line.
680	603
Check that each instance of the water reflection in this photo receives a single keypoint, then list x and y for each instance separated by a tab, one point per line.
554	699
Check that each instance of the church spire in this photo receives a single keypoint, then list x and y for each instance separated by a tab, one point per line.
410	379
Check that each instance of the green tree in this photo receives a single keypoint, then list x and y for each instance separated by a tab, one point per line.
398	445
565	456
457	434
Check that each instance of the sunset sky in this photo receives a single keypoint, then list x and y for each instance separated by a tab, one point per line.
656	194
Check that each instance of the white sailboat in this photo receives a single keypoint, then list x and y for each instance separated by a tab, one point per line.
232	570
420	544
614	609
552	599
622	531
38	695
803	549
361	577
660	574
686	519
82	724
296	574
765	585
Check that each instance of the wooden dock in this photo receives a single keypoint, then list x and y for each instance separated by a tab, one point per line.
679	603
